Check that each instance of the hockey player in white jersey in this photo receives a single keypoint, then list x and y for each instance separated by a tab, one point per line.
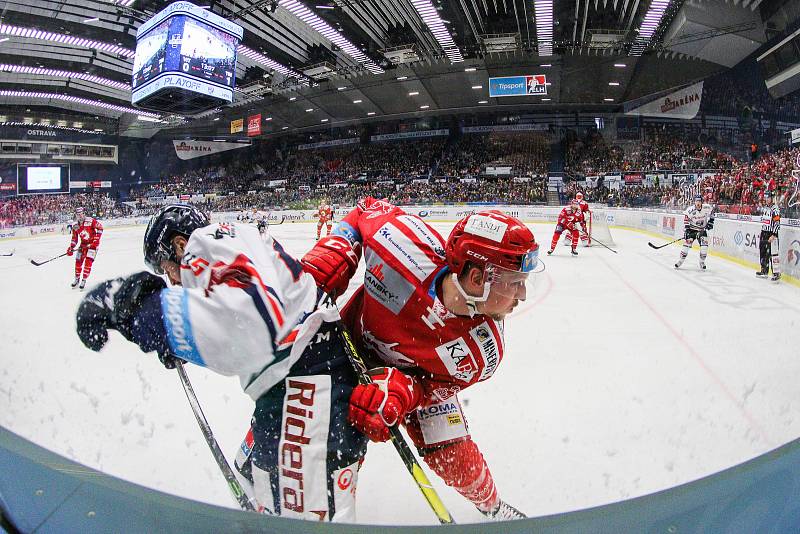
697	220
240	305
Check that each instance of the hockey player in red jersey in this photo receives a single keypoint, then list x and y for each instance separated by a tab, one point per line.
429	317
567	220
325	216
86	234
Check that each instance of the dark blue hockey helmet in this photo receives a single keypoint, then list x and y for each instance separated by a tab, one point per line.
698	197
171	220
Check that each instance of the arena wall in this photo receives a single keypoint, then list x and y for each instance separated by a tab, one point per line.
734	237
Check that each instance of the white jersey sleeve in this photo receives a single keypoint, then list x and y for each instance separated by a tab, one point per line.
241	295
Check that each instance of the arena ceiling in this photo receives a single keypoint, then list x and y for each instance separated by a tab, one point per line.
353	60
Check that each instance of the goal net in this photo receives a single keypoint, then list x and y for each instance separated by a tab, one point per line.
597	225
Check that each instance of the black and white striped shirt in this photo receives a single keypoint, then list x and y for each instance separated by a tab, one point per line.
771	219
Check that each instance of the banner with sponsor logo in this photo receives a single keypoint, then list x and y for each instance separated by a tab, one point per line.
500	170
633	178
195	149
682	104
254	125
506	128
237	126
326	144
535	84
410	135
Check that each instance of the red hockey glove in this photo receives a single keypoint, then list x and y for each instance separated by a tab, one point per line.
70	250
332	262
383	403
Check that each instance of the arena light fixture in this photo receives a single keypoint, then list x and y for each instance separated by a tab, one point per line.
430	16
285	128
546	65
608	100
356	101
324	120
309	110
260	58
401	78
371	113
268	119
424	107
613	84
483	102
341	88
56	73
216	118
649	25
470	69
543	9
620	65
477	87
546	99
33	33
292	99
145	118
93	19
76	100
320	26
413	93
61	125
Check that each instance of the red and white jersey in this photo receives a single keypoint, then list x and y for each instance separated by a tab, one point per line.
87	234
325	213
567	218
583	205
398	315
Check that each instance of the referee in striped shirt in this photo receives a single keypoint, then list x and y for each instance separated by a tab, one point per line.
768	243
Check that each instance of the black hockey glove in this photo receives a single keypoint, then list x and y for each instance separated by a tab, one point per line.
129	305
710	224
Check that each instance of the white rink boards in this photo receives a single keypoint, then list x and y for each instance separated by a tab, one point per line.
621	377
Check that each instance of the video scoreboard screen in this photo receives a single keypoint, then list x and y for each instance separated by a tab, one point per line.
188	48
40	179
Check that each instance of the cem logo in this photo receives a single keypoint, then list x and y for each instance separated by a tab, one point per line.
793	254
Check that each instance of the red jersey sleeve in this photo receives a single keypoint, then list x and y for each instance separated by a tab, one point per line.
97	233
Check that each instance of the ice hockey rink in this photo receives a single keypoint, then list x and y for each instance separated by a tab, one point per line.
621	377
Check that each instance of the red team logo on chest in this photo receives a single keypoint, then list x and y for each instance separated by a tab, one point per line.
458	359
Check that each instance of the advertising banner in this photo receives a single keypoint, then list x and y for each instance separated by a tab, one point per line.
325	144
194	149
506	128
410	135
682	104
237	126
633	178
535	84
254	125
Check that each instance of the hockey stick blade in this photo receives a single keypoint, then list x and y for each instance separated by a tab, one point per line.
604	246
10	253
664	245
38	263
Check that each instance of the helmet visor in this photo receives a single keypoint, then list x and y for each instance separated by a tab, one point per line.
155	257
512	284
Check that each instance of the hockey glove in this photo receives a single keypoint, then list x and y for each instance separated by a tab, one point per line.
710	224
332	262
129	305
70	250
376	406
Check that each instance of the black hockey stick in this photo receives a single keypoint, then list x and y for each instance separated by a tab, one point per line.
38	263
665	244
604	245
283	218
398	441
227	472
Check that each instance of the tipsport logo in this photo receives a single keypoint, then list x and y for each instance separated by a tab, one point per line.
793	254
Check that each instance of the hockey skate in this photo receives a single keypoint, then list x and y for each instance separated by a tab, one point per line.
83	284
702	265
550	251
75	282
761	274
776	277
574	252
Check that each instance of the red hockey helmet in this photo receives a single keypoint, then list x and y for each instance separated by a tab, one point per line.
491	237
501	245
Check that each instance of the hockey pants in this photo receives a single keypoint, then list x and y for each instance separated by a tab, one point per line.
84	258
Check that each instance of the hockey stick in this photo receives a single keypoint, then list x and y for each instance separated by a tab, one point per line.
665	244
604	245
227	472
10	253
398	441
38	263
283	218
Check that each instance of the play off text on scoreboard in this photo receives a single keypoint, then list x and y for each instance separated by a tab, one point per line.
534	84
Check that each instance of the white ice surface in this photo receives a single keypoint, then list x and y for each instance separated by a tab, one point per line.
621	377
